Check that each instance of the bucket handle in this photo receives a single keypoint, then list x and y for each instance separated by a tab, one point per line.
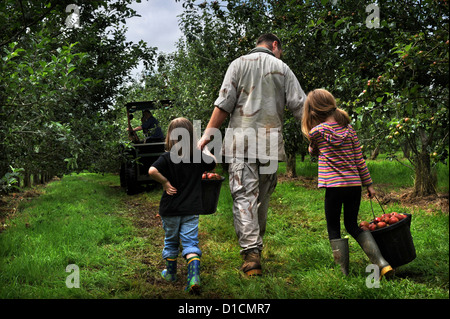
373	213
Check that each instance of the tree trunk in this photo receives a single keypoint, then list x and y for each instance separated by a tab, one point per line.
26	179
406	150
375	152
36	179
291	165
426	180
303	152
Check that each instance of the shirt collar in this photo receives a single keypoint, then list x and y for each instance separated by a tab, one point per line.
261	49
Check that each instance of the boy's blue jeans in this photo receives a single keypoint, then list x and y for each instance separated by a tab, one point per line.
184	228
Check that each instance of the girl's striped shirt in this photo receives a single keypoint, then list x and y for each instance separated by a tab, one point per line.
341	162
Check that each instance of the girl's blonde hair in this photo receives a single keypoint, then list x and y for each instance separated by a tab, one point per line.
319	105
180	123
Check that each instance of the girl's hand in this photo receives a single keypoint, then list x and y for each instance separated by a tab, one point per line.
170	190
371	191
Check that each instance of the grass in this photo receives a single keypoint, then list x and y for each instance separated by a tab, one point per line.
116	241
77	222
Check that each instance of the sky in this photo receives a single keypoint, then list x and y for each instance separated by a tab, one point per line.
158	24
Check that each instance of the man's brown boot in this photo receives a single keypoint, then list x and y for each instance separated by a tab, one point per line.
252	264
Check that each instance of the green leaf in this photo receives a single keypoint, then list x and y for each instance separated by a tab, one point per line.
339	22
71	69
408	47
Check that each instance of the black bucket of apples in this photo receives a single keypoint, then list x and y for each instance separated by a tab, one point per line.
211	184
392	232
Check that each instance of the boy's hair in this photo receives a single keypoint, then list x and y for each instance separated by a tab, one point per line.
268	39
186	126
319	105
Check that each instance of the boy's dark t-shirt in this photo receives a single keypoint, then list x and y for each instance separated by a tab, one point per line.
186	178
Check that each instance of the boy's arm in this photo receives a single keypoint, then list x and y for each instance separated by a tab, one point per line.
157	176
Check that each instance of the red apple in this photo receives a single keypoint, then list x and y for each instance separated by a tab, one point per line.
378	219
365	228
393	220
372	227
364	224
204	176
400	216
381	225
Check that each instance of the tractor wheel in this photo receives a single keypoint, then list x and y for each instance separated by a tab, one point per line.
123	182
131	185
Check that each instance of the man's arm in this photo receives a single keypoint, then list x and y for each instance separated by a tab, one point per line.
295	96
137	128
217	118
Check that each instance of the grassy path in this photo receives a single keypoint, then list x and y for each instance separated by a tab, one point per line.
115	240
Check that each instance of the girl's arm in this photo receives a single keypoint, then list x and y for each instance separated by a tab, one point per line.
360	162
371	191
313	148
157	176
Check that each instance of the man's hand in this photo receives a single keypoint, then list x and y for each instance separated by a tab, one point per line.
217	118
203	142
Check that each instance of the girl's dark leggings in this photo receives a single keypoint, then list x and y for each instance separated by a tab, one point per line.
335	198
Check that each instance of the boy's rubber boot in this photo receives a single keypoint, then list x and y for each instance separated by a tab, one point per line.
252	264
341	253
193	276
170	273
370	248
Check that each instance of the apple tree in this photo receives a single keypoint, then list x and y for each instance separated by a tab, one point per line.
58	85
405	104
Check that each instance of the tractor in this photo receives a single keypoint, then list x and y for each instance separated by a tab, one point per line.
140	154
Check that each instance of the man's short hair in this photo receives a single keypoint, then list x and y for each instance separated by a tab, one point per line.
268	39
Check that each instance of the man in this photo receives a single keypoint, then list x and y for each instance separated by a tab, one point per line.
150	127
255	91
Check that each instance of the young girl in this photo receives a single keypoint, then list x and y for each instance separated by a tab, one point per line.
180	175
342	172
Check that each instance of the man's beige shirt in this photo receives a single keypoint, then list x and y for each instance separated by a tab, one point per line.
256	89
